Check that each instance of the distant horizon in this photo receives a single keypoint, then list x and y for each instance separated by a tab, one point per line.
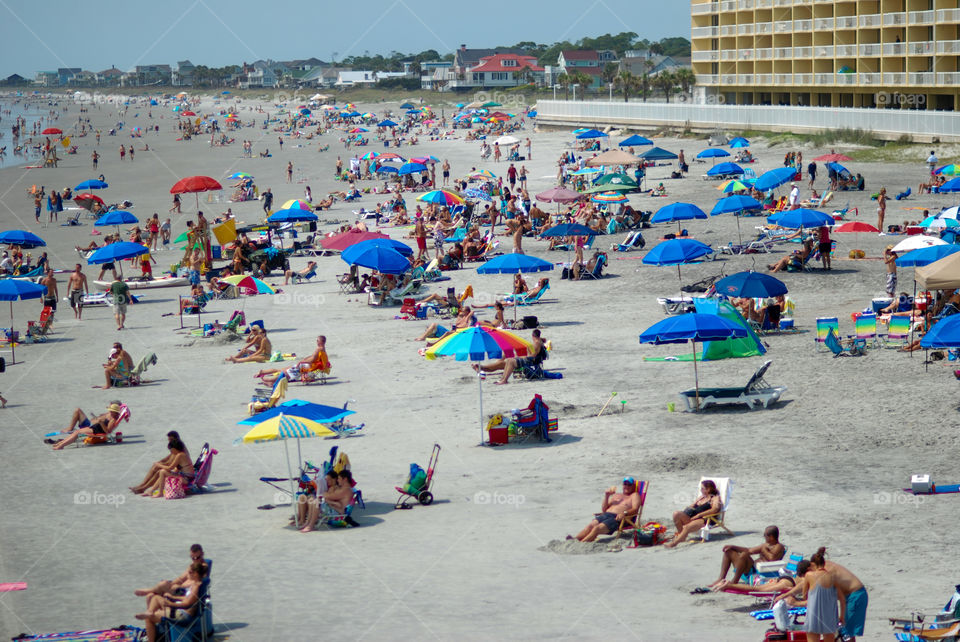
124	34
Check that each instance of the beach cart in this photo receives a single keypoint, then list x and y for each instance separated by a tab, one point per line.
419	483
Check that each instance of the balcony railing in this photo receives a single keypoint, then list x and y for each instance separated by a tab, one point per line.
871	20
745	29
846	79
781	53
921	17
821	24
802	25
728	79
802	52
783	3
764	4
783	79
728	54
802	79
728	30
948	15
745	79
869	79
764	79
921	48
763	27
745	54
704	32
704	8
948	78
870	50
783	26
823	79
845	51
705	56
894	78
894	49
948	46
765	53
745	4
845	22
895	19
708	79
728	5
921	78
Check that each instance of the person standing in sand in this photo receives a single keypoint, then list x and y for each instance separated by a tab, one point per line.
51	295
890	259
290	171
77	287
446	172
420	233
881	209
612	509
120	293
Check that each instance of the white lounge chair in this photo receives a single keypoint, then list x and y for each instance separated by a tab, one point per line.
756	392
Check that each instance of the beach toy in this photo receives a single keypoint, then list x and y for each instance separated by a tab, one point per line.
671	407
623	403
612	395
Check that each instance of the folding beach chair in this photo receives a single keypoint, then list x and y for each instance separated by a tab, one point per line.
725	489
201	471
533	421
824	326
865	328
898	330
597	271
942	625
854	348
266	398
631	521
198	626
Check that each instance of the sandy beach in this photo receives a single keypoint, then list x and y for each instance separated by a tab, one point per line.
489	559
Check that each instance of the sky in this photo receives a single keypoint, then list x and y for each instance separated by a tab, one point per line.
42	35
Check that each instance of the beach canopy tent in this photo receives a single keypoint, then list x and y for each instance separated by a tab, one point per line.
718	349
591	133
636	139
613	157
940	275
655	154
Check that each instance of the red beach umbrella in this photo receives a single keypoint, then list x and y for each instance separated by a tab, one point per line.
87	200
187	113
195	185
52	130
832	158
345	239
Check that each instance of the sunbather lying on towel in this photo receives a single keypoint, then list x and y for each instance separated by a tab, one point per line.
80	424
535	358
154	471
741	558
612	509
465	319
778	585
316	361
188	602
693	517
796	260
180	464
258	348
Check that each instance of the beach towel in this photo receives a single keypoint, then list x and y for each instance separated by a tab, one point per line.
6	587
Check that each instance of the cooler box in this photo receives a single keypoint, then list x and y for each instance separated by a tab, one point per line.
499	435
217	251
786	324
879	304
921	484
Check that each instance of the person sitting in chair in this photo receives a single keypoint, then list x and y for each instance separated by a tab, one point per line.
154	471
536	357
465	319
81	425
741	558
306	272
175	585
333	502
612	509
316	361
795	260
119	366
179	464
694	517
258	348
187	602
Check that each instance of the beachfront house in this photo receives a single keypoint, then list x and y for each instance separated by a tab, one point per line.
464	75
642	61
109	77
46	79
433	74
260	74
182	76
356	79
82	79
589	62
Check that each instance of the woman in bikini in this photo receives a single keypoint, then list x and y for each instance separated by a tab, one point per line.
694	517
179	464
187	602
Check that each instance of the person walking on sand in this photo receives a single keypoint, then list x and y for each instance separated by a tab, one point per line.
290	172
881	209
77	287
120	293
420	233
95	157
123	152
51	295
267	201
890	259
825	246
529	149
176	204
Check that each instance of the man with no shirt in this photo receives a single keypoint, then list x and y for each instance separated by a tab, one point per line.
51	295
614	506
856	598
77	287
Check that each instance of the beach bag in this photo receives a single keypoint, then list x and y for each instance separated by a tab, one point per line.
416	480
173	488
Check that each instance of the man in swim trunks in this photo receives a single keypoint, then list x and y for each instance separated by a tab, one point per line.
614	506
51	295
80	424
851	586
173	586
77	286
741	558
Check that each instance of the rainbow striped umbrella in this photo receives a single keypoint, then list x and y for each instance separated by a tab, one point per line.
358	130
441	197
296	204
483	173
949	170
479	343
734	185
370	156
609	197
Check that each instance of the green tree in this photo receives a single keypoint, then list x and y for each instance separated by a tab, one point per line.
609	72
583	81
564	81
523	75
626	83
644	83
666	82
685	77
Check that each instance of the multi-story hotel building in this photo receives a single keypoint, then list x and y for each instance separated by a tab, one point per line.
828	53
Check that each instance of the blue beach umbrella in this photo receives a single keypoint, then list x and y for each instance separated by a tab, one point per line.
750	285
676	212
635	140
944	334
798	218
676	252
953	185
569	229
725	169
775	178
735	204
293	215
116	252
387	169
93	183
477	194
513	264
22	238
739	142
412	168
392	244
117	218
303	409
713	152
386	123
926	255
692	327
591	133
15	289
383	259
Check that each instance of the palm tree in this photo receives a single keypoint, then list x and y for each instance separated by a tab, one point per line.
609	73
685	78
666	83
564	81
583	80
626	82
644	83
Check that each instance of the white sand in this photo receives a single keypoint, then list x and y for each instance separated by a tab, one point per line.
816	465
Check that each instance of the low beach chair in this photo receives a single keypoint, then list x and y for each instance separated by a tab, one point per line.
199	626
315	371
92	440
597	271
631	520
942	625
300	278
350	282
533	421
266	398
757	392
898	331
865	329
854	347
824	326
201	471
527	299
725	489
135	376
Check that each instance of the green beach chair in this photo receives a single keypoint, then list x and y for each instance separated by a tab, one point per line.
824	326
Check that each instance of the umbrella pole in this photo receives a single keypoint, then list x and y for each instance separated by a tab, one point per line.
680	278
739	234
13	344
696	377
480	388
293	491
913	306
